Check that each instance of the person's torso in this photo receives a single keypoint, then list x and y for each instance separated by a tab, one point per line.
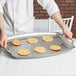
18	15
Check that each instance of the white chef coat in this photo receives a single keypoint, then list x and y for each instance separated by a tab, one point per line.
18	14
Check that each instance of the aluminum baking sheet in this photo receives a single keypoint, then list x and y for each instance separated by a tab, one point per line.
59	39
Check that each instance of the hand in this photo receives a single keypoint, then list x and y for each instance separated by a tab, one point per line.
68	34
3	40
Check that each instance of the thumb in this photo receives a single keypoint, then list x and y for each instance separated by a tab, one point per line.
1	43
5	44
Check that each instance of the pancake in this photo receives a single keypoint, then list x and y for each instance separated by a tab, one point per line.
40	49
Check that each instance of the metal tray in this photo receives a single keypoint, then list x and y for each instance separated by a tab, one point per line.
59	39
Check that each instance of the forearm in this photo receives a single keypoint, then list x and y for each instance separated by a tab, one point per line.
58	18
3	37
1	23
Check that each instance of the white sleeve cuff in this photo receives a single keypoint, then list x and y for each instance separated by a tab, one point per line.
52	8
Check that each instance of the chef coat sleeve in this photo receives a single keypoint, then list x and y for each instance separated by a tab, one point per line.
2	2
49	5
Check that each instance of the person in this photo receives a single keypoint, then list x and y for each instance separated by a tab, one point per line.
16	17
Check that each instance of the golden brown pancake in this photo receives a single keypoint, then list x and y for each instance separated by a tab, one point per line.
47	38
32	40
40	49
55	48
23	52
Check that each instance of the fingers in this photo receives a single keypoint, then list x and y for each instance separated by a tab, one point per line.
69	35
3	40
3	44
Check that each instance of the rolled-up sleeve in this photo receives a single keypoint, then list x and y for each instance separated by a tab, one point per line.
49	5
2	2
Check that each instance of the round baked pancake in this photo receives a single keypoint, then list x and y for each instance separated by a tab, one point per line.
23	52
47	38
32	40
17	42
55	48
40	49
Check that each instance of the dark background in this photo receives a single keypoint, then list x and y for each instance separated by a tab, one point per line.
67	7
